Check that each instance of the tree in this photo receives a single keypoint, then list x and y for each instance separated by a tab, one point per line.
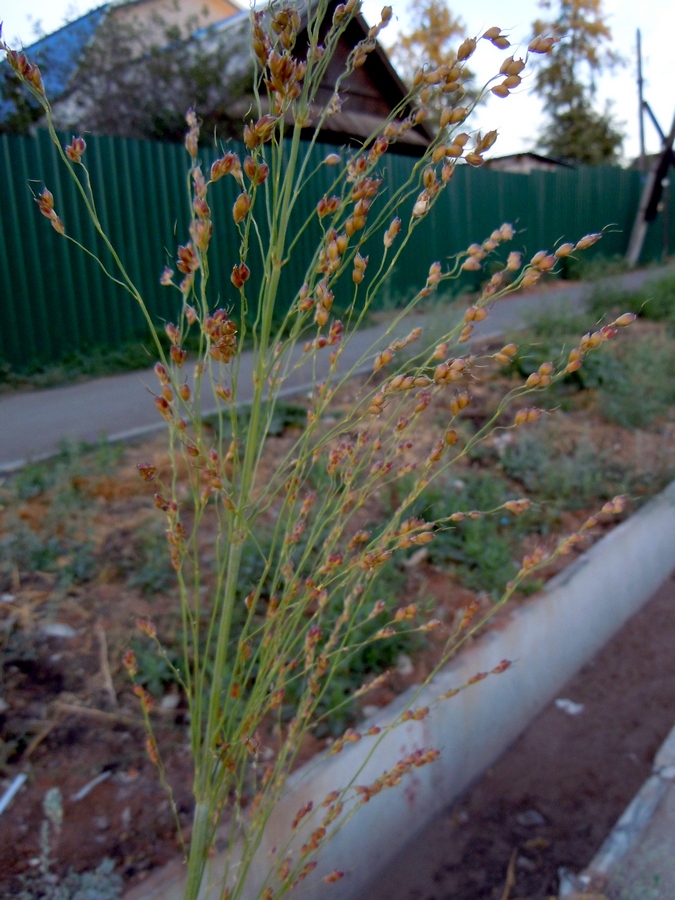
432	41
566	80
136	81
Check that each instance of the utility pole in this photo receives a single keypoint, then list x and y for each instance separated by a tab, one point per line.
651	195
641	113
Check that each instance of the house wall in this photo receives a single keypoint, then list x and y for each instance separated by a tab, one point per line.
522	164
156	15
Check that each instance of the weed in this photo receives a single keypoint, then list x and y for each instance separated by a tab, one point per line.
147	561
292	591
655	301
641	385
44	884
593	268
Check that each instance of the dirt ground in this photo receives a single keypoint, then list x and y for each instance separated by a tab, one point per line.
69	718
553	797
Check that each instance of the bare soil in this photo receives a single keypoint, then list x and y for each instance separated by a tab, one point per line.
550	801
68	714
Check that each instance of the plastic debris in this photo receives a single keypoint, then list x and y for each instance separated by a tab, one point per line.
58	630
569	706
12	791
404	665
90	785
531	818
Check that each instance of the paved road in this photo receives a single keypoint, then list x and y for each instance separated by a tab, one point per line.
33	424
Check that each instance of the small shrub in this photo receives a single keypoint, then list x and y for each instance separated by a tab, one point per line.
655	301
641	386
570	480
103	883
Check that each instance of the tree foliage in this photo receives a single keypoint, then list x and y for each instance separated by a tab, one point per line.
576	131
434	33
432	41
138	82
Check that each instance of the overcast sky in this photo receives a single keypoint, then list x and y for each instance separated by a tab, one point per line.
519	116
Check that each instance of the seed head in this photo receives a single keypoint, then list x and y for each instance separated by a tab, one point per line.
391	232
625	320
225	165
241	207
147	471
466	49
564	250
472	264
240	275
530	414
75	149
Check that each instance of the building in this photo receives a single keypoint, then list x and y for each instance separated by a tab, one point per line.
524	163
132	69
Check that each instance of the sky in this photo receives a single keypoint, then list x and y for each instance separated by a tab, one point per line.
518	118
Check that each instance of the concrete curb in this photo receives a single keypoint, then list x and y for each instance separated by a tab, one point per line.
629	832
549	638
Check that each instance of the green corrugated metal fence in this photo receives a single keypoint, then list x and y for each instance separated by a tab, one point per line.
55	299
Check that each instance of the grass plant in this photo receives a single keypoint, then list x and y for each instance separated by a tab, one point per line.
300	583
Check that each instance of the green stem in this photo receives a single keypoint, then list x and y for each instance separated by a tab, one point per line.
199	847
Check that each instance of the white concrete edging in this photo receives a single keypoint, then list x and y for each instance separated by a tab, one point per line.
548	638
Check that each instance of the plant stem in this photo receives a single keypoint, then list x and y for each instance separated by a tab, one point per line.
199	847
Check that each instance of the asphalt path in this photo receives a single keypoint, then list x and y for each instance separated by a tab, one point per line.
120	407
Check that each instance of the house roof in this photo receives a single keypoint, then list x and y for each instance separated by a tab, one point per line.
368	96
58	54
528	156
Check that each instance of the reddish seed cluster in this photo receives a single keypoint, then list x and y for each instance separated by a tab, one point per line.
25	69
129	663
241	207
314	842
394	776
152	750
75	149
572	541
301	813
240	275
146	627
226	165
306	870
222	333
144	697
188	261
45	202
256	172
147	471
532	559
614	507
391	232
349	737
469	614
261	131
415	715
